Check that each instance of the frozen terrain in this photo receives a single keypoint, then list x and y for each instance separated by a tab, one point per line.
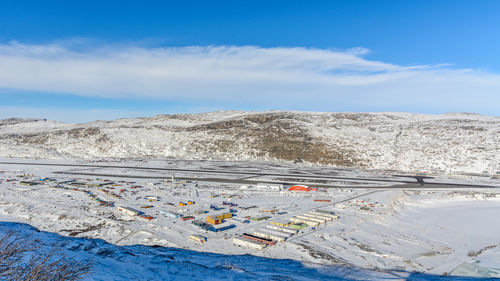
136	262
384	231
449	143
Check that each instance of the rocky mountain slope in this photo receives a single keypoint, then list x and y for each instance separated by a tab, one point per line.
458	142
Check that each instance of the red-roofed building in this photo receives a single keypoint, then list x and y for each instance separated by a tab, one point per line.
300	188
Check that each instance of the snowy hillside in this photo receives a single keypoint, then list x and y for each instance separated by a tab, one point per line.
111	262
458	142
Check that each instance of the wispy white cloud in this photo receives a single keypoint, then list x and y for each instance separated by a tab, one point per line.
246	74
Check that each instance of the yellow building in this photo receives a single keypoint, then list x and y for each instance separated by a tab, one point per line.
225	216
212	220
283	224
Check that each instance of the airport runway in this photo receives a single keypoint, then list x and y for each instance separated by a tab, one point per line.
397	182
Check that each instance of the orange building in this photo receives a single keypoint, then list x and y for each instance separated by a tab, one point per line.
299	188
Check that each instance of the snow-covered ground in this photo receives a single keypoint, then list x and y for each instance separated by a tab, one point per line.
137	262
454	143
387	232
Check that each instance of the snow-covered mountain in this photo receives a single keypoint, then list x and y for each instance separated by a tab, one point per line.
455	142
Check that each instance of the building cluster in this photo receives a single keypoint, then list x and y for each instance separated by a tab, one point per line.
101	191
277	231
278	187
211	223
364	205
28	180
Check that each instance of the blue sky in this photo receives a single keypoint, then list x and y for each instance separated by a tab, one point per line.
77	61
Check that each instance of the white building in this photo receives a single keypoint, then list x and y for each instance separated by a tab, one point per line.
319	216
269	186
311	218
248	243
280	237
306	221
198	238
128	211
282	228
